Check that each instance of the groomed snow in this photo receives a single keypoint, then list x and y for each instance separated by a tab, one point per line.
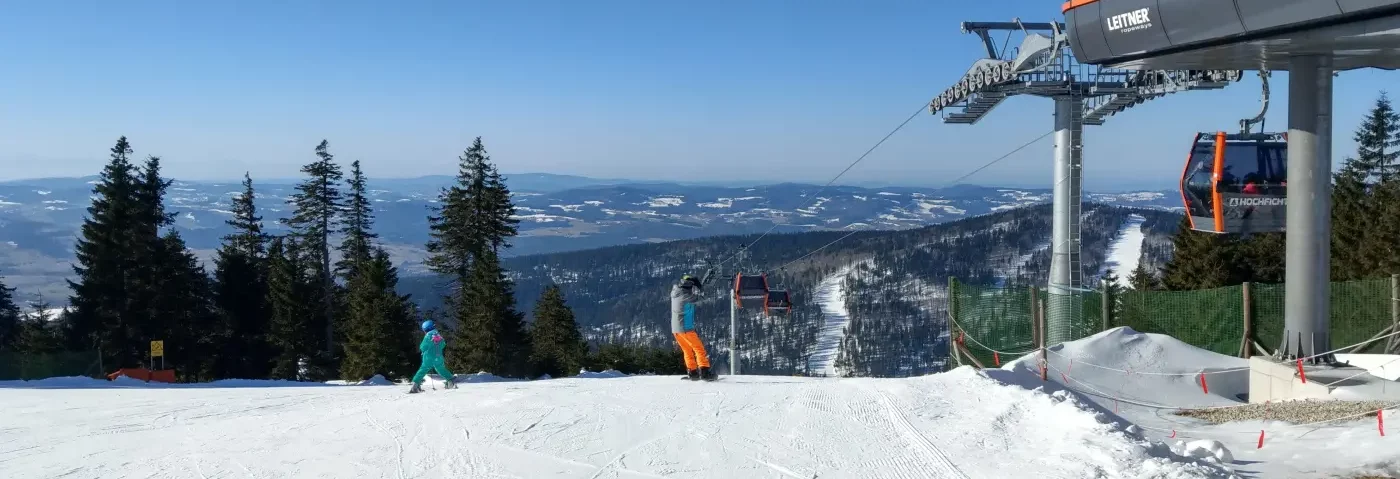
1164	377
831	294
951	425
1125	251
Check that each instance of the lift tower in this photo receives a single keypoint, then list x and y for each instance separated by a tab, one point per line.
1044	66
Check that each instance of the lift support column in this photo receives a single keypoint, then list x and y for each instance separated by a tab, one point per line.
1066	277
1307	288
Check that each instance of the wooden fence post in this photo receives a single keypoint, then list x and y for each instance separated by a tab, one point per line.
1394	312
953	315
1245	347
1038	312
1105	301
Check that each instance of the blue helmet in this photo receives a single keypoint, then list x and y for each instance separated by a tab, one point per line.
428	325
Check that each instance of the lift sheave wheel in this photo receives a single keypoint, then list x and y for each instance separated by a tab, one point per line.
777	302
1236	183
750	286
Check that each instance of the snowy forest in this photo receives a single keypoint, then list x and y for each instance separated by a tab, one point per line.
279	307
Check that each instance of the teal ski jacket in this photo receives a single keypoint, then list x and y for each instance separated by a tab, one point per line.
431	347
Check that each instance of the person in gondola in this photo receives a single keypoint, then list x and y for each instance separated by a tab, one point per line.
684	295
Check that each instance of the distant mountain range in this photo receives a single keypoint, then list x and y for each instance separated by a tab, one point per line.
39	217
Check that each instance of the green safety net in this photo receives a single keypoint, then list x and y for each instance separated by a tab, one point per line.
1001	319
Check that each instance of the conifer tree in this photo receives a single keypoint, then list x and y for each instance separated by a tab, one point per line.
10	326
1382	242
1143	279
39	333
490	334
1352	218
472	223
357	225
502	223
181	311
1200	260
474	215
289	331
1257	258
101	316
240	291
557	346
379	323
316	206
1378	141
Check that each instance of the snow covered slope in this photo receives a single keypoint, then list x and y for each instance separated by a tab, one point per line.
952	425
1126	250
1143	377
831	293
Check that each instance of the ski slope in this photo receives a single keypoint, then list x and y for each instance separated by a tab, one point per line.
1125	251
960	424
831	294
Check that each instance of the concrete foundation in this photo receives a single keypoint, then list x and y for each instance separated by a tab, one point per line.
1273	381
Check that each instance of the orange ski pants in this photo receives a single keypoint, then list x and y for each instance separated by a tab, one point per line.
693	350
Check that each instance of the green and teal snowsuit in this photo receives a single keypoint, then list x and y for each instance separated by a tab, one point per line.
431	348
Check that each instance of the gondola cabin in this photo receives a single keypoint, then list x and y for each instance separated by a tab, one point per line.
750	286
777	302
1236	183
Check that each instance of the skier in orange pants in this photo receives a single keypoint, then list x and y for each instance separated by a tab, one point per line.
684	295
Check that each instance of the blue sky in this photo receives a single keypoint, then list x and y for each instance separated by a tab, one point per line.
769	90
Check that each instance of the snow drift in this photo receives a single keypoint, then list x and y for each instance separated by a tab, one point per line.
1141	378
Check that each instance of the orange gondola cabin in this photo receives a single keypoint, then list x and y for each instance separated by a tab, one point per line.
1236	183
750	286
778	302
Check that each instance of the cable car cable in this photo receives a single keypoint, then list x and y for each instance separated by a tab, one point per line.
896	129
954	182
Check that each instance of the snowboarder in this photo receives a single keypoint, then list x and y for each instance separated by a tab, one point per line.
684	295
431	348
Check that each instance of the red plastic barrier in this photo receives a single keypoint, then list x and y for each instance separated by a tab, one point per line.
161	376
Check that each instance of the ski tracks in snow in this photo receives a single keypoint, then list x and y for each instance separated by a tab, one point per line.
918	439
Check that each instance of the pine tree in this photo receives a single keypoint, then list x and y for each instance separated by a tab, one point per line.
379	323
490	334
474	215
357	225
10	326
39	333
557	346
1378	141
289	329
240	291
1352	222
502	223
316	205
182	311
1200	261
1143	279
1258	258
1382	242
101	297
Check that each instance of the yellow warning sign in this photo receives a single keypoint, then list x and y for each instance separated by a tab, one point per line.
157	348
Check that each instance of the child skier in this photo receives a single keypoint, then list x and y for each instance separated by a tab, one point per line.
431	348
684	295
